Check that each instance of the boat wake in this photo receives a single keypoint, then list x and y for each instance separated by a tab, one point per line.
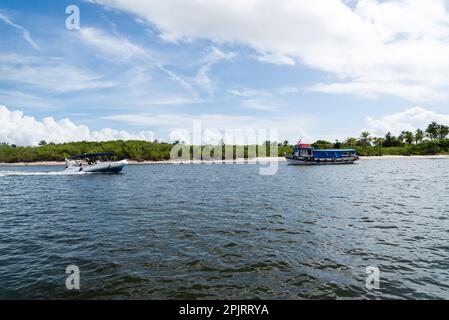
31	173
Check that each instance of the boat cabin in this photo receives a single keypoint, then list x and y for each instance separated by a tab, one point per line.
307	151
302	150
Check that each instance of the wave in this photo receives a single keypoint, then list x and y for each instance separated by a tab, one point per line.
31	173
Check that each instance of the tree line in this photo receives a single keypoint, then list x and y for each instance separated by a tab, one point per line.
432	140
131	149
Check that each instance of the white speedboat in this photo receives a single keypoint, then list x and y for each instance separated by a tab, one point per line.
94	162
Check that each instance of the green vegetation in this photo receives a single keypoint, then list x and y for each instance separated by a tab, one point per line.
132	150
433	140
135	150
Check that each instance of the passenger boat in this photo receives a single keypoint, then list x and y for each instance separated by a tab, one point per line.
94	162
305	154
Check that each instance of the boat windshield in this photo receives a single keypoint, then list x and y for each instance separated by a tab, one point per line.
306	152
93	157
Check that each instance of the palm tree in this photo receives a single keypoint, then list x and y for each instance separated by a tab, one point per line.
443	132
365	139
419	136
379	142
391	140
407	136
351	141
337	144
433	130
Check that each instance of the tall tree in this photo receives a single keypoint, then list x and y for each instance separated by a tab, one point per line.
351	141
322	144
337	144
407	137
443	132
432	130
390	140
365	139
378	142
419	136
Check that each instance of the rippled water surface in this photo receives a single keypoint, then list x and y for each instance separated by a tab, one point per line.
223	231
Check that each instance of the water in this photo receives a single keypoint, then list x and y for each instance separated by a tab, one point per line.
223	231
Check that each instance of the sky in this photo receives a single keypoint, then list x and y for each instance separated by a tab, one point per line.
139	69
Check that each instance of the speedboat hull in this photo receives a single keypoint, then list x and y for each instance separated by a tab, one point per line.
103	167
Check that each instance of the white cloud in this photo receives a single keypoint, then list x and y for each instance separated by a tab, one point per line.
409	119
289	127
25	100
249	92
120	49
412	92
113	47
276	58
202	78
258	99
288	90
49	74
260	104
17	128
25	33
375	45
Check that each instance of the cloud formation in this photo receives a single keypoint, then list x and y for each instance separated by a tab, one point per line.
120	49
17	128
291	128
25	33
202	78
50	74
368	48
409	119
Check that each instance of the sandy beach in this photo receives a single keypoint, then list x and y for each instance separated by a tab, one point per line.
227	161
390	157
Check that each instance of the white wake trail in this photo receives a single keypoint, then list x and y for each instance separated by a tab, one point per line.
30	173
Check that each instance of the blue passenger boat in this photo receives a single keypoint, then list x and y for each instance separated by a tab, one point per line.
305	154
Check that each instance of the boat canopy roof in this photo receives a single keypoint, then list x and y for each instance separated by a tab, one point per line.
336	150
91	155
333	153
327	150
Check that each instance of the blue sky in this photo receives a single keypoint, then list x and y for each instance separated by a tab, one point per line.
319	70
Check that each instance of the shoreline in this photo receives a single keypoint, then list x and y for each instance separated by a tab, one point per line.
150	162
389	157
226	161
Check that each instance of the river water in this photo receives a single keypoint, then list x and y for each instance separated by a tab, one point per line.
224	231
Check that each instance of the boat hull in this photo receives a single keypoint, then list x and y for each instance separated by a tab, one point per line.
303	162
108	167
